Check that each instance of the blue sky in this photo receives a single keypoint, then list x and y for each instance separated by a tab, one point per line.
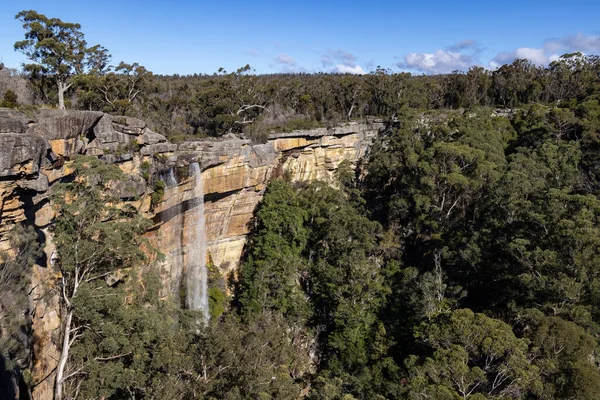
434	36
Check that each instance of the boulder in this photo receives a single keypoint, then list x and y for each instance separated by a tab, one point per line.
12	121
39	184
131	188
105	132
158	148
149	137
128	125
21	154
57	124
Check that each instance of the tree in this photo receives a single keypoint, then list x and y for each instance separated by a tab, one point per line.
14	316
473	356
95	237
57	48
9	99
260	359
565	354
122	86
134	344
271	277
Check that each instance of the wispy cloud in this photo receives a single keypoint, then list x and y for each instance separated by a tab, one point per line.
286	63
535	55
333	57
285	59
468	44
253	52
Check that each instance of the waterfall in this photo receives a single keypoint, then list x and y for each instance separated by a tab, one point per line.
196	271
170	179
172	220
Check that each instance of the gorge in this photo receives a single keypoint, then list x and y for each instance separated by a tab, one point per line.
302	201
209	192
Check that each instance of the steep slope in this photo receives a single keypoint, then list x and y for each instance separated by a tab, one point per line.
36	153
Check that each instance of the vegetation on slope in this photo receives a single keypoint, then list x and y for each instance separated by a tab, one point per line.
462	262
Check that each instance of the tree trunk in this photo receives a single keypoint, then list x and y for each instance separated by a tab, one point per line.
62	88
64	355
61	96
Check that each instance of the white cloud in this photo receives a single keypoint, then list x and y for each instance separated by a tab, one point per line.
536	56
346	69
440	62
581	42
285	59
551	50
286	64
342	62
459	56
553	57
553	46
253	52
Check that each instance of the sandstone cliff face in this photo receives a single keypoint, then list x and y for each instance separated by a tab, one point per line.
234	188
36	150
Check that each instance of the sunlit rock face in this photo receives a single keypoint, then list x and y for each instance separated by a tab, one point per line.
234	189
36	151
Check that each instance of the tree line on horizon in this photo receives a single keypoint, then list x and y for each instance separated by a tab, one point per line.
66	72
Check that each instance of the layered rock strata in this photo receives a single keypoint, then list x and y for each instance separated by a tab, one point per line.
36	151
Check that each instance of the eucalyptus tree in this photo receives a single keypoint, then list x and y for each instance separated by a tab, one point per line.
57	49
95	237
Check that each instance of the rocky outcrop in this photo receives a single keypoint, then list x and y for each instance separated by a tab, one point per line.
36	153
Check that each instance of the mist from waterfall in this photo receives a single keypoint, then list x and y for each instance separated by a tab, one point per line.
196	271
170	179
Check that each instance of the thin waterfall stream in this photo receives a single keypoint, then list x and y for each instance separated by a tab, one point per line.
196	270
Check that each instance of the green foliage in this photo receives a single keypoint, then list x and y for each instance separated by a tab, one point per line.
564	355
130	346
158	193
91	231
98	239
217	301
9	99
119	88
271	276
15	273
127	148
145	168
182	172
471	355
312	259
258	360
58	51
300	124
460	262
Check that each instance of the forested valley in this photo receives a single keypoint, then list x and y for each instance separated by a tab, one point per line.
459	260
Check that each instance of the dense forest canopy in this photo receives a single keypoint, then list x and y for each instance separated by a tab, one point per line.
461	261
